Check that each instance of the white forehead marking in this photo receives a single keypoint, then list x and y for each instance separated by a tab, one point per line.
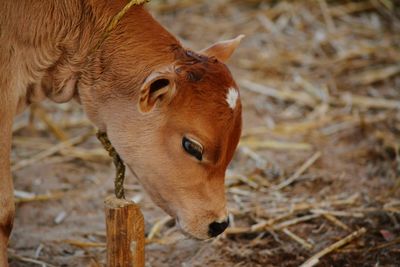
232	97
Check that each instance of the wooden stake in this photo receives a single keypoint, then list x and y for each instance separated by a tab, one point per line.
125	233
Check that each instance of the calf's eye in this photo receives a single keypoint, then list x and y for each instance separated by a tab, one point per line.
193	148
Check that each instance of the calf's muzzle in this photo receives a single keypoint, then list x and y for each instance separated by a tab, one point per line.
217	228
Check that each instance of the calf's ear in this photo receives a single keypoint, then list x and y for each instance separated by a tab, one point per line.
224	49
159	86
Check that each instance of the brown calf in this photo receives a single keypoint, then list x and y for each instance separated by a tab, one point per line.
173	115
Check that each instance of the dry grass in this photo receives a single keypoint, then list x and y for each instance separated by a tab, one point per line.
319	162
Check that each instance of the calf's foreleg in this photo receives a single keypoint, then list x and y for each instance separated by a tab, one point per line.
8	105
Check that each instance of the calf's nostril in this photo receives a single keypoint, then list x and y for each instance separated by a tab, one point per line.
216	228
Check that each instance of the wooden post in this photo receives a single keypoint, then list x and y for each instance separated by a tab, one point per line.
125	233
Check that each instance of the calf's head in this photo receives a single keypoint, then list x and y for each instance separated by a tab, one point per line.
177	132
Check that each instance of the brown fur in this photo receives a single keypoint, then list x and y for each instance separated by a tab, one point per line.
47	52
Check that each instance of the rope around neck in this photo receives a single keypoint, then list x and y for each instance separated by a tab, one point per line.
102	136
114	22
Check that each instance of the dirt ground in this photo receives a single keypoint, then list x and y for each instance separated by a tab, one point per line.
319	157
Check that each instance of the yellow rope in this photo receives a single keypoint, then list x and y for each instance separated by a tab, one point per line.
119	165
114	22
120	14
